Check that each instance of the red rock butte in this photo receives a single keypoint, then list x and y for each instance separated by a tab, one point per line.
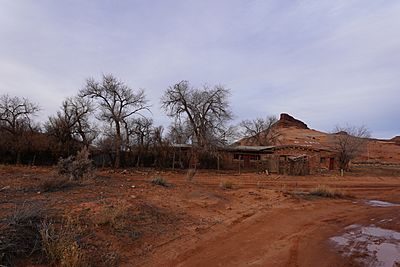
288	121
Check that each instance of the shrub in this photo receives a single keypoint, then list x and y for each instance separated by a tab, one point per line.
78	167
28	231
20	233
190	174
226	185
114	215
52	184
159	181
325	191
60	244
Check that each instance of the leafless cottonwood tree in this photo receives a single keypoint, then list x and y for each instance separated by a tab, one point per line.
72	122
138	133
16	118
179	133
349	142
117	102
205	110
261	131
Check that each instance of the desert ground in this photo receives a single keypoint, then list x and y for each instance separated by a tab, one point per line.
213	219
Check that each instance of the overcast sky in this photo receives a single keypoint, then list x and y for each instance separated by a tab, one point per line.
324	62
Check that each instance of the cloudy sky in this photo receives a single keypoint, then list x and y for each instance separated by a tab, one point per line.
324	62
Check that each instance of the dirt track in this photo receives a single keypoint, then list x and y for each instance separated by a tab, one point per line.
294	232
262	221
282	237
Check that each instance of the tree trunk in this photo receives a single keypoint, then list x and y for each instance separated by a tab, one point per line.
18	161
117	145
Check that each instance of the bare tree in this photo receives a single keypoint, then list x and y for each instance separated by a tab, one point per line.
349	142
179	133
160	147
261	131
138	133
205	110
72	123
117	102
16	119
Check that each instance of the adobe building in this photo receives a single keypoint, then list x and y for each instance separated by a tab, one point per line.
282	159
299	151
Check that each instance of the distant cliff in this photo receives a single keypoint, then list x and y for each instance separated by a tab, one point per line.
288	121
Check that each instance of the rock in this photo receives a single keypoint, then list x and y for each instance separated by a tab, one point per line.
288	121
396	139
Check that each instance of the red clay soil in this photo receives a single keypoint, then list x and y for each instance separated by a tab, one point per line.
262	221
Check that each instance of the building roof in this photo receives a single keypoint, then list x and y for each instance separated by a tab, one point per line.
270	149
248	148
181	145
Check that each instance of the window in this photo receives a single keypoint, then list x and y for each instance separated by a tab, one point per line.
322	160
254	157
237	156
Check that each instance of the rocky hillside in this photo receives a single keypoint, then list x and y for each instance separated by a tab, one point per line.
294	131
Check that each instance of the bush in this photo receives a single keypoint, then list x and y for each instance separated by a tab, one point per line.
226	185
114	215
52	184
325	191
20	233
60	245
190	174
76	168
27	231
159	181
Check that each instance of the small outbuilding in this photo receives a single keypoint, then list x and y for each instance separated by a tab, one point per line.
283	159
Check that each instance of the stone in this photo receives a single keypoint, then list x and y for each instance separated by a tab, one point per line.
288	121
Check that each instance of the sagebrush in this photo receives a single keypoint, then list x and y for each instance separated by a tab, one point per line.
29	232
20	233
226	185
76	167
159	181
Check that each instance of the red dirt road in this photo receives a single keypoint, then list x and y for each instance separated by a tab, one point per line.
294	232
262	221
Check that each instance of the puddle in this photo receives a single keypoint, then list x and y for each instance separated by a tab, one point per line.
370	245
378	203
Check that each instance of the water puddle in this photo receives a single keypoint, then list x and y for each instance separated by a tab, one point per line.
378	203
370	245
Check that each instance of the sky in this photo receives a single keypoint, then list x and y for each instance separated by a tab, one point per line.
326	63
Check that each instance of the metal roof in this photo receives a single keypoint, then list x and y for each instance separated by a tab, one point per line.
248	148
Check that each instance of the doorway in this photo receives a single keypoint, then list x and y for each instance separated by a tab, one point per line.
331	163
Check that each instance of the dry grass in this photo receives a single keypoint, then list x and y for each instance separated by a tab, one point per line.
325	191
226	185
53	184
60	244
28	233
190	175
19	233
159	181
114	215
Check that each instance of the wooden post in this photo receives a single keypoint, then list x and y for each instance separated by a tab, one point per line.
218	162
173	160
